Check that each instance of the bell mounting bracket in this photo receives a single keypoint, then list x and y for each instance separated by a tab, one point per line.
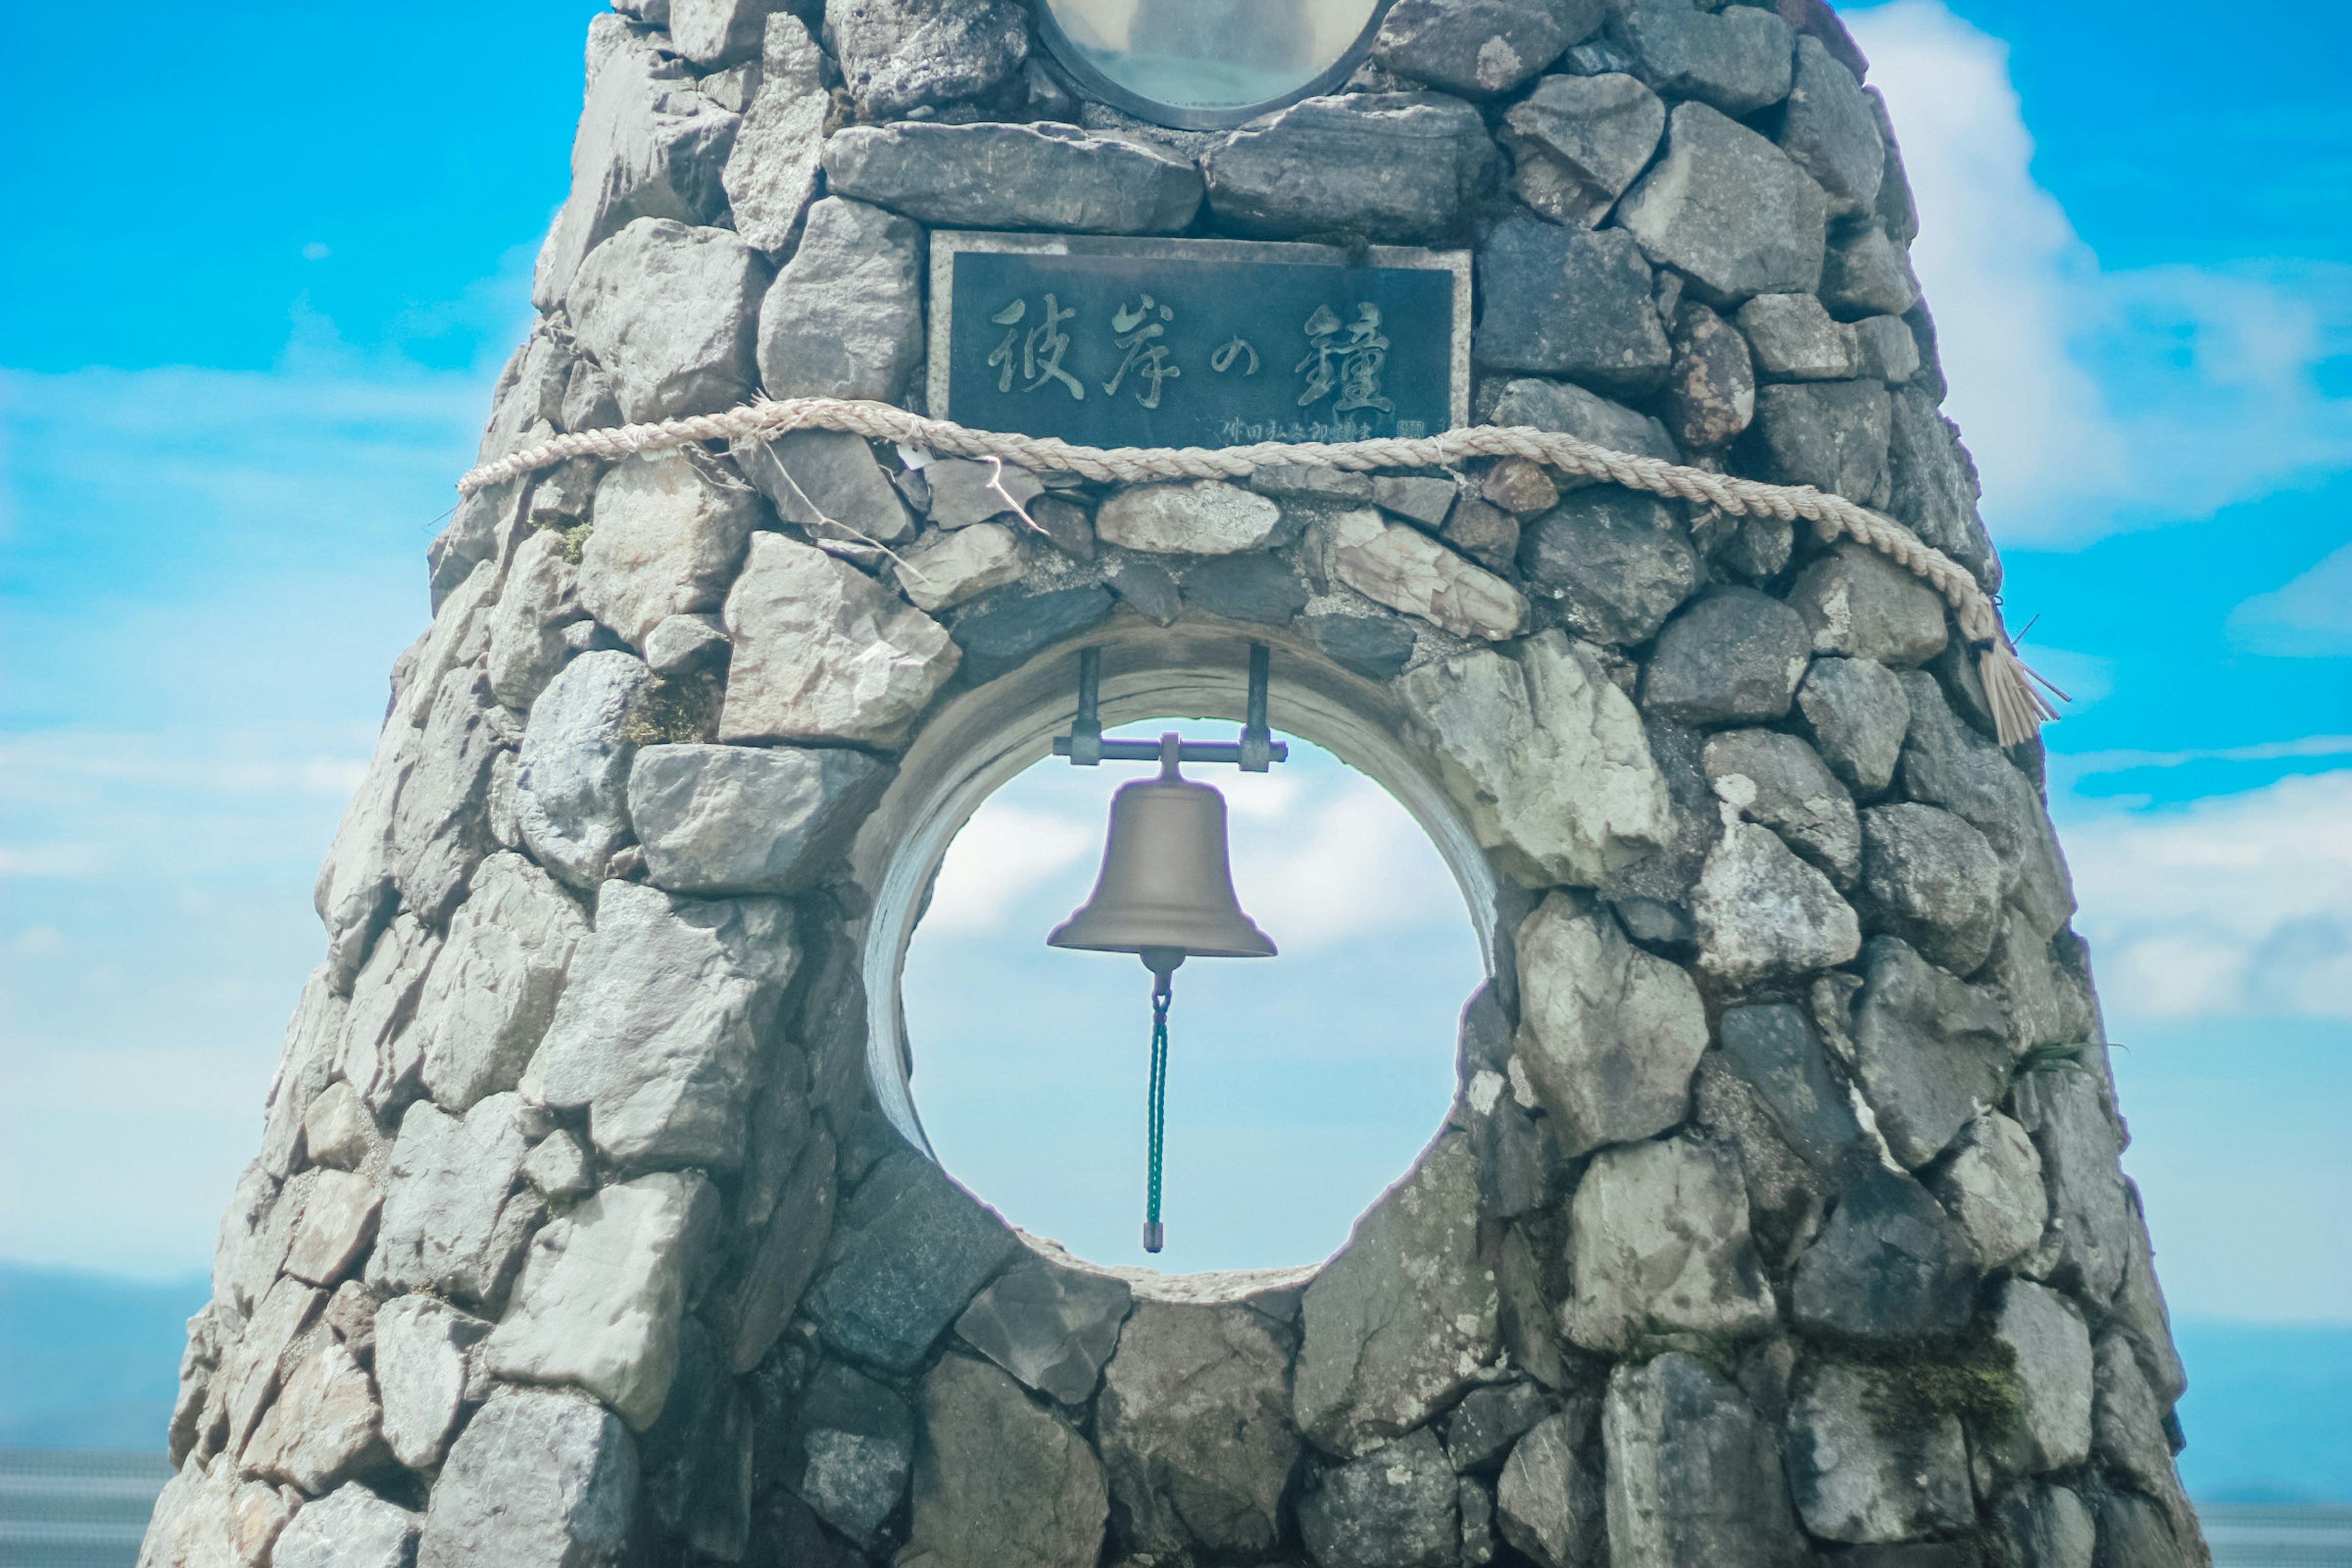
1255	752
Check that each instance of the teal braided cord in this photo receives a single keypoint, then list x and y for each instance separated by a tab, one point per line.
1160	990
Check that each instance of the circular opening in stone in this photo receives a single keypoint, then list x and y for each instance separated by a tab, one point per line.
1208	63
1299	1086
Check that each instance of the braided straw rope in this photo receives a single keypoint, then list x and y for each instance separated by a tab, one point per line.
2018	709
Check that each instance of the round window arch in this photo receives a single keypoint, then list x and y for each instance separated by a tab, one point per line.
1208	65
984	738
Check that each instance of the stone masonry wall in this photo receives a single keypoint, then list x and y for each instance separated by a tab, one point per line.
1779	1217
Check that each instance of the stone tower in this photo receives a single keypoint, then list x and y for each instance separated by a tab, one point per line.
1778	1218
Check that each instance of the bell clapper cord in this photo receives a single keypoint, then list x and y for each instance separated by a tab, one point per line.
1162	990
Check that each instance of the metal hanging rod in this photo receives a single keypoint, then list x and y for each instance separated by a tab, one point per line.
1255	753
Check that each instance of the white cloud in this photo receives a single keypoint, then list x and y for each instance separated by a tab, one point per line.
1001	853
2093	400
2310	618
2229	906
1341	862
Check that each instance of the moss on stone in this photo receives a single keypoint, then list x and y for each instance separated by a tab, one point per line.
673	710
1976	1380
571	541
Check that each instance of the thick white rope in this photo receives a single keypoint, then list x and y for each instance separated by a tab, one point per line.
2018	709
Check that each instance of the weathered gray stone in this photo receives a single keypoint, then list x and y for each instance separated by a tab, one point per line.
2127	1425
1201	517
1067	524
1052	1328
826	654
598	1299
1482	1428
540	598
1609	1035
1865	273
1482	47
952	566
686	644
1421	500
1617	560
657	1035
1860	604
1377	646
735	819
1831	130
349	1528
538	1479
1570	302
1787	1196
571	783
896	55
1485	533
1760	911
1311	482
718	32
1733	58
1829	434
1992	1186
909	1250
1891	1265
1728	209
2064	1110
1793	339
1930	879
323	1427
1578	141
1660	1249
696	1458
1775	1048
2048	1527
1856	711
493	989
1732	655
381	1053
1884	348
440	828
844	318
1570	410
1404	568
2139	1311
1395	1506
1475	1504
1519	485
1403	1317
250	1369
1860	1471
1195	1424
1948	764
423	1348
1781	782
1396	166
2047	999
1001	632
313	1045
211	1518
449	1225
829	482
670	532
965	491
1929	1051
648	146
1710	394
1252	587
338	1223
1932	485
999	1479
848	1450
1547	756
667	309
558	1167
1692	1474
338	1131
1552	1500
1015	176
2134	1530
2051	1352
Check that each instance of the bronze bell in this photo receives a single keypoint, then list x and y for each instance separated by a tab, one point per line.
1166	888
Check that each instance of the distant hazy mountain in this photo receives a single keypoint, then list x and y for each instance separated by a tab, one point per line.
89	1361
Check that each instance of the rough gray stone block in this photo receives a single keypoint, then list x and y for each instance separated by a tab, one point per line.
1930	879
1194	1424
1794	339
1857	713
1659	1250
999	1479
249	1376
683	643
1570	410
1761	913
1015	176
538	1480
1860	604
2047	1526
423	1348
1570	302
1482	1428
825	654
667	309
1891	1265
847	1449
1481	47
1775	1048
491	994
659	1033
1865	273
1829	434
2064	1110
2127	1425
1405	569
1578	141
1375	646
1781	782
771	173
738	819
844	318
1000	632
1991	1187
1710	394
965	491
541	598
1551	1499
351	1526
571	783
1609	1035
1932	487
1397	167
2051	1347
1862	1473
713	33
1395	1506
1618	561
697	1456
441	827
1252	587
897	55
1736	58
1884	348
1928	1050
1422	500
1946	763
2134	1530
1728	209
1693	1473
449	1225
671	534
1731	655
337	1224
1201	517
1832	129
323	1428
1052	1328
909	1250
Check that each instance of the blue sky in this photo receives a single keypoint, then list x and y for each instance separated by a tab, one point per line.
264	264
